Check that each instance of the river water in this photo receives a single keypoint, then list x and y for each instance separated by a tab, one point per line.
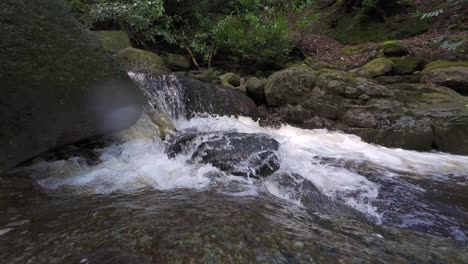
131	202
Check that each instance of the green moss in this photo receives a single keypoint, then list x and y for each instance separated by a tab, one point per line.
322	71
377	67
113	41
407	65
445	64
137	60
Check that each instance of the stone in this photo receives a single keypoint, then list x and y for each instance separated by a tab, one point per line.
240	154
58	84
377	67
202	97
113	41
230	80
393	48
289	86
407	65
256	90
414	78
450	74
176	62
141	61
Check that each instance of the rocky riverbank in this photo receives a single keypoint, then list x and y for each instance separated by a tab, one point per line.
396	100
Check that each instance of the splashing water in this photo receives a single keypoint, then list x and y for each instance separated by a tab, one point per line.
338	164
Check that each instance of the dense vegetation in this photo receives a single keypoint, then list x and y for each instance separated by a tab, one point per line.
247	30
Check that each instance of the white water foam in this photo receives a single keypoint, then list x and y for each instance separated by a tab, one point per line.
141	163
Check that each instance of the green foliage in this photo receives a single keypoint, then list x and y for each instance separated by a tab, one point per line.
249	37
254	30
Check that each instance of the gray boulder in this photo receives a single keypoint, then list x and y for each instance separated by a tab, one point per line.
289	86
58	84
113	41
240	154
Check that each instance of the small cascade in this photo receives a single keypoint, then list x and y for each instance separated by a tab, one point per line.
165	100
328	172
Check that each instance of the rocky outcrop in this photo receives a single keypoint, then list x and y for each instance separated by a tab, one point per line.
113	41
202	97
450	74
289	86
404	115
137	60
58	84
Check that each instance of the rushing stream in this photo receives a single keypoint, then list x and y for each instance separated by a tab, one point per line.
294	196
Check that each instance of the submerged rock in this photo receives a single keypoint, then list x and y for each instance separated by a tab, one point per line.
58	84
249	155
296	188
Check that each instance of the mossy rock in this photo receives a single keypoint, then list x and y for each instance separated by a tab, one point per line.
58	84
290	86
230	79
407	65
113	41
377	67
449	74
137	60
392	48
176	61
445	64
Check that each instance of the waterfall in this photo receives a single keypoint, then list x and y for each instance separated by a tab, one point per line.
342	167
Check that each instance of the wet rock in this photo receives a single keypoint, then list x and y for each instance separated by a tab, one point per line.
289	86
297	188
450	74
294	114
58	84
113	41
256	90
240	154
137	60
451	135
202	97
176	62
377	67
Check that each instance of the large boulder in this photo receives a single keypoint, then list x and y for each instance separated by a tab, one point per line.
58	84
450	74
113	41
137	60
289	86
202	97
405	115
